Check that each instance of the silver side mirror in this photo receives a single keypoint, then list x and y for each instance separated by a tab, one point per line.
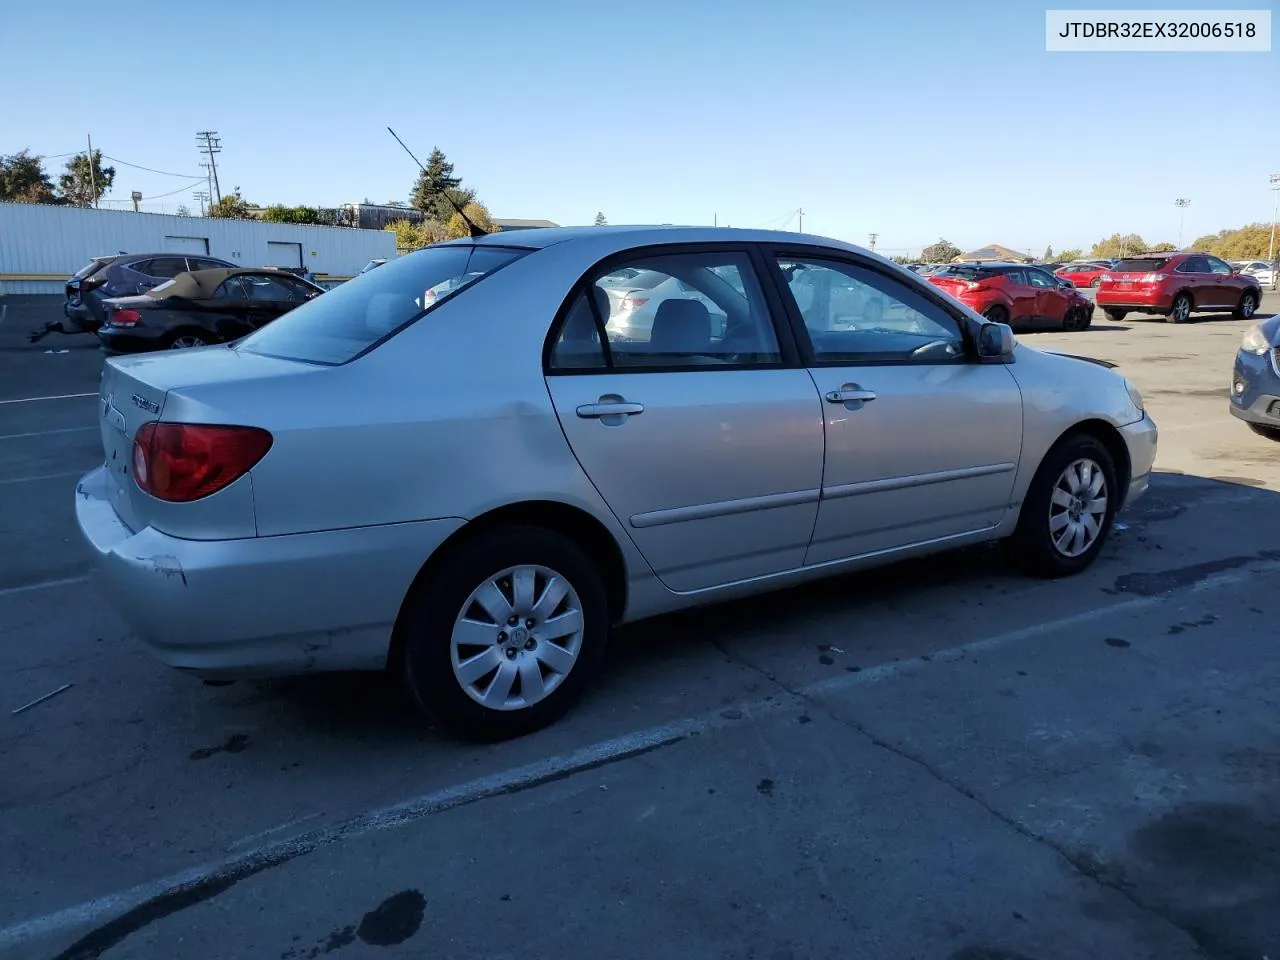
995	341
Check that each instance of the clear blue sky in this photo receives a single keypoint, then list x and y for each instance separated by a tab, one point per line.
913	120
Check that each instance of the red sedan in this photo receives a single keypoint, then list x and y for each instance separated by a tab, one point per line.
1021	296
1083	274
1174	285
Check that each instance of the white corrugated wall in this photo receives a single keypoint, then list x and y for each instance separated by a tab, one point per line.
41	246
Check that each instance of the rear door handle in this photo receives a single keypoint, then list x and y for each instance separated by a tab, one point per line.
849	395
616	408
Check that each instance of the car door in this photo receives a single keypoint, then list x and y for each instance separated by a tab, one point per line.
229	309
1195	277
706	446
1226	289
922	439
1021	294
1051	299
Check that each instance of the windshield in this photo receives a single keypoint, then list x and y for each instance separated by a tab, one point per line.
351	318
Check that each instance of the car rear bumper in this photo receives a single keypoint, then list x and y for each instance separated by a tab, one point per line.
1255	389
265	606
1153	302
81	317
118	340
1141	438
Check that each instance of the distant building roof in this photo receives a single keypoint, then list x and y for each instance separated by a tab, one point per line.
522	224
993	251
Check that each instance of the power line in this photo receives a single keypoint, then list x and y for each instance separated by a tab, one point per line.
163	173
182	189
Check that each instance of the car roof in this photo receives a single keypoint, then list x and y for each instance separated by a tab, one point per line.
622	238
200	284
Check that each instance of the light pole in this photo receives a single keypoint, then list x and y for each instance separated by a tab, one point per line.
1271	248
1181	203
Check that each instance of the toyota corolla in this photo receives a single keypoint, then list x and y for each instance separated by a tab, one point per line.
449	468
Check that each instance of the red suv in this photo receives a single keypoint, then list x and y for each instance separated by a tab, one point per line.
1082	274
1018	295
1175	284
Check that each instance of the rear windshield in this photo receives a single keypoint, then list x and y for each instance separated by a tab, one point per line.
349	319
1140	265
970	272
91	267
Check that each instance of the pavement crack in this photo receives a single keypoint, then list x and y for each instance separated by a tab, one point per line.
1092	869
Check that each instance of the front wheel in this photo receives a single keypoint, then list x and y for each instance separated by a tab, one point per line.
1068	510
1247	307
1075	319
507	634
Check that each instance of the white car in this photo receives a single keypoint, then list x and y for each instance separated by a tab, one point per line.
471	488
1263	272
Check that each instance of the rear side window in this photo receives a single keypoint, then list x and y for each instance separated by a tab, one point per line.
352	318
165	268
90	268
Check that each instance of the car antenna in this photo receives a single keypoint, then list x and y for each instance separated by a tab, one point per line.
475	231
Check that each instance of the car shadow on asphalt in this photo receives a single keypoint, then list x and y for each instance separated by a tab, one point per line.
358	706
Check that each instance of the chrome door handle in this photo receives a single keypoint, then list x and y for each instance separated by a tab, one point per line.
849	395
594	411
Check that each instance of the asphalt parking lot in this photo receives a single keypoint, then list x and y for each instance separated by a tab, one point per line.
942	759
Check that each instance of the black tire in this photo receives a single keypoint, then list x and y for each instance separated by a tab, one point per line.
1247	306
1115	316
436	602
1032	544
178	340
997	314
1073	320
1181	305
1262	430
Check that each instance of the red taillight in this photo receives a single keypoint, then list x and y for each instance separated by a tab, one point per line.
181	462
630	303
124	318
1154	277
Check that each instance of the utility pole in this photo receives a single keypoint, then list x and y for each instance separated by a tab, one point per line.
202	196
211	143
801	212
1181	203
1271	249
93	179
873	240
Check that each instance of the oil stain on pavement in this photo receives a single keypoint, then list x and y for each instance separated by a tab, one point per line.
390	923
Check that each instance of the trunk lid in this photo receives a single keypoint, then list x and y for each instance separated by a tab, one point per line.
136	390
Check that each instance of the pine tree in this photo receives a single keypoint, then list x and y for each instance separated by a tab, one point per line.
600	219
428	192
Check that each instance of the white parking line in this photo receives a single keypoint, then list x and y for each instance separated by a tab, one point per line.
220	874
44	476
47	433
42	585
60	396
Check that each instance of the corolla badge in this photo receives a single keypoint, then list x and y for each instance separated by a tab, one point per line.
149	405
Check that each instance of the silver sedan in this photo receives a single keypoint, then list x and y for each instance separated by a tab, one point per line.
447	467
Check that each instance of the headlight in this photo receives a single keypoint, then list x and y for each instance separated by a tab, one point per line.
1135	395
1254	341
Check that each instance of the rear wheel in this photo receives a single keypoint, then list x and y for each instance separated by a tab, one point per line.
997	314
1247	307
1095	281
507	634
185	340
1115	316
1181	311
1068	510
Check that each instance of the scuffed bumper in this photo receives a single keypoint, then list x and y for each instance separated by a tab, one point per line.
263	606
1141	437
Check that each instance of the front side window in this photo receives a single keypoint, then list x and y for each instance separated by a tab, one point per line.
678	311
231	288
1219	267
856	315
355	316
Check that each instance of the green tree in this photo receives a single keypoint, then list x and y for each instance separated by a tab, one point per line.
428	191
1249	242
279	213
944	251
900	259
1118	245
184	210
600	219
477	213
1165	247
415	236
232	206
1074	253
83	184
23	179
